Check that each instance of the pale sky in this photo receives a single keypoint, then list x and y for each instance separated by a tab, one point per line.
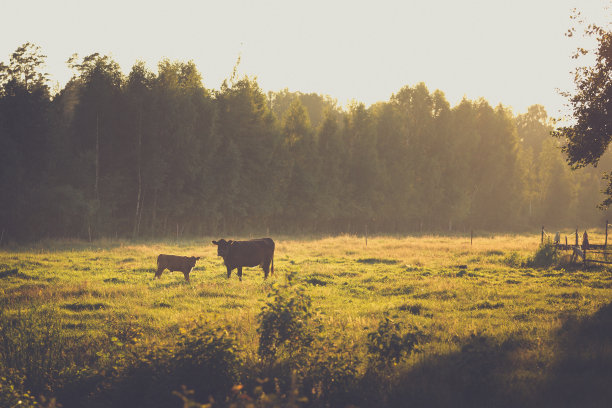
509	52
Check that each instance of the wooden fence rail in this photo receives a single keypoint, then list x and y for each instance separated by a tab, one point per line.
581	250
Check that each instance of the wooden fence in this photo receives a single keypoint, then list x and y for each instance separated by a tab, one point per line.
585	248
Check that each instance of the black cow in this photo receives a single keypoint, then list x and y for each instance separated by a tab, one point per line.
175	263
255	252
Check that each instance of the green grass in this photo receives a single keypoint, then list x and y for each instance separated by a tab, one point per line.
491	326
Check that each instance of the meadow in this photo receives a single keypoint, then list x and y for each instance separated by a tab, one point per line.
403	321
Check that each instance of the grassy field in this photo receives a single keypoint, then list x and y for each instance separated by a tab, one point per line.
491	329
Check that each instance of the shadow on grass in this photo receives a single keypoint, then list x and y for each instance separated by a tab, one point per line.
489	373
473	377
14	273
582	374
373	261
84	307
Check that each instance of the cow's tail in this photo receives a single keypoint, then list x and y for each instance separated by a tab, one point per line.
272	263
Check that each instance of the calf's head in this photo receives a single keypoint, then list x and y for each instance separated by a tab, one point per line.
192	261
222	246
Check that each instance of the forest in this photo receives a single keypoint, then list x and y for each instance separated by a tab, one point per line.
152	155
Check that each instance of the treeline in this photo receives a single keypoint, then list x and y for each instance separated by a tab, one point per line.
154	155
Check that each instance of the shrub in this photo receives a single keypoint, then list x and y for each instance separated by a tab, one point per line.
203	359
545	256
283	330
514	260
207	361
387	345
331	371
241	399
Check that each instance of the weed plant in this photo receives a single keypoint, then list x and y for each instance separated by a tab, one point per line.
546	256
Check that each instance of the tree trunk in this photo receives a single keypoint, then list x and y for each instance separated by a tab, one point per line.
97	156
139	176
154	215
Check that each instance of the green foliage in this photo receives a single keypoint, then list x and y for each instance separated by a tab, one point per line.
240	398
207	360
387	345
32	346
586	140
284	330
292	346
200	358
331	370
158	154
12	392
545	256
514	259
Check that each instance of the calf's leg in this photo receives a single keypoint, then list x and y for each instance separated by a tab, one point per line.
187	274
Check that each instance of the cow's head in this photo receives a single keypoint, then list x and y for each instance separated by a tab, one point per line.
222	246
192	261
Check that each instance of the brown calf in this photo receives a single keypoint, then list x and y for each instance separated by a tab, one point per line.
173	263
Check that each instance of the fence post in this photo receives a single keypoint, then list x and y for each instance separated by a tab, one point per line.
576	236
606	242
542	239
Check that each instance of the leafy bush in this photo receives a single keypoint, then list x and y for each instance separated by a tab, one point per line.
514	260
207	361
203	359
296	355
546	256
241	399
387	345
331	371
284	323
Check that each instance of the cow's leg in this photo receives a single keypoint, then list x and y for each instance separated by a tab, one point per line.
159	272
229	272
240	273
187	274
266	269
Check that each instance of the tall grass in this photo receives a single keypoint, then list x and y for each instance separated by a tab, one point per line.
89	325
32	346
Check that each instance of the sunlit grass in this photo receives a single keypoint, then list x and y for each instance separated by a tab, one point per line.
452	290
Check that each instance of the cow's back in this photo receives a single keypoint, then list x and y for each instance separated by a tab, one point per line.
172	262
253	252
269	243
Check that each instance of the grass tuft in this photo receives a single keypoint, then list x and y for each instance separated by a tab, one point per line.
82	307
372	261
14	273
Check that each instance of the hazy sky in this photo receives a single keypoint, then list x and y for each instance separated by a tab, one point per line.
510	52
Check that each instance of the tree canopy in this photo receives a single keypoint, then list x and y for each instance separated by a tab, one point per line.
147	154
586	140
